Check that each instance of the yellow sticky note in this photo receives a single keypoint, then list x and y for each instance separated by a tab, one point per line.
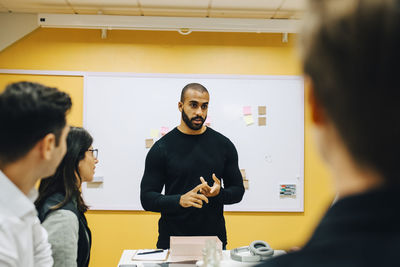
154	133
248	119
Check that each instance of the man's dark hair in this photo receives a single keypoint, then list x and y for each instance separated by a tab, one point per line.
351	51
67	180
28	112
194	86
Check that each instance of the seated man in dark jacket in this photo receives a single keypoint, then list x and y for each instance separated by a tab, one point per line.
351	55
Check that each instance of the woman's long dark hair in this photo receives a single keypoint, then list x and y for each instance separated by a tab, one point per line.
65	179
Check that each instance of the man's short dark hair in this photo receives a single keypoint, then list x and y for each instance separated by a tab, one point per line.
194	86
351	50
28	112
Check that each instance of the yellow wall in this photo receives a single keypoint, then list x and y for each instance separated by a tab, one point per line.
72	85
170	52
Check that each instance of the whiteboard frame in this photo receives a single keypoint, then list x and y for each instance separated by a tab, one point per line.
209	76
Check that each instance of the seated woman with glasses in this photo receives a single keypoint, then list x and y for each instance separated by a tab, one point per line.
60	205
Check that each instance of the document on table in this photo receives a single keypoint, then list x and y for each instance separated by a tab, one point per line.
150	255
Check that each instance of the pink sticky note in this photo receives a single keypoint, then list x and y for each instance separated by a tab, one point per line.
208	121
247	110
164	130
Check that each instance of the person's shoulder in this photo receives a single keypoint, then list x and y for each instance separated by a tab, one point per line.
71	205
13	230
5	210
62	216
46	208
54	199
46	204
61	220
267	263
60	223
210	131
290	259
219	136
14	234
9	222
170	135
50	201
168	139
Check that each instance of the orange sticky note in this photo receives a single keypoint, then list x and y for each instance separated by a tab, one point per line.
243	172
246	184
149	143
262	110
262	121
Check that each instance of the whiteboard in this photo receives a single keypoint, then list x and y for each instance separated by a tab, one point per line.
120	111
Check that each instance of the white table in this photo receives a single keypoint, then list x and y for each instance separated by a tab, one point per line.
226	261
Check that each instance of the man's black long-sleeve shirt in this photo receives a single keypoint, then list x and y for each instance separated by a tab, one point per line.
177	161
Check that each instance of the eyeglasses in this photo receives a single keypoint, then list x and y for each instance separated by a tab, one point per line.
95	152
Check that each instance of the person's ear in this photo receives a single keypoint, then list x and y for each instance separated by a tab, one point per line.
180	106
47	145
318	116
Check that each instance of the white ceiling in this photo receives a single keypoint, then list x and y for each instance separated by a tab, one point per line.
268	9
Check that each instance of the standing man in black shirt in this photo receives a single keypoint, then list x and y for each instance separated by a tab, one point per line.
190	161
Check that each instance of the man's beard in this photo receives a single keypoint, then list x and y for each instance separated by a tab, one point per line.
189	122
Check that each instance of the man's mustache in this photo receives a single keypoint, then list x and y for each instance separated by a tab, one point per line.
198	118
